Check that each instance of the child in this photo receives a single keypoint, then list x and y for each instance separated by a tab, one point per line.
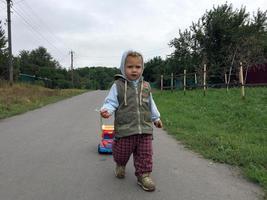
131	100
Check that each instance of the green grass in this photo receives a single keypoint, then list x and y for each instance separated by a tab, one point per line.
221	126
24	97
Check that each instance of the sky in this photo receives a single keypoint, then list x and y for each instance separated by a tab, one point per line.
99	31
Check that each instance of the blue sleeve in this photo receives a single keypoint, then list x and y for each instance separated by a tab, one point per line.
111	101
155	115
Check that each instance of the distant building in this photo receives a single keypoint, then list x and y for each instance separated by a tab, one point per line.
257	74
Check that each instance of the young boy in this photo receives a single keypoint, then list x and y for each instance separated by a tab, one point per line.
135	110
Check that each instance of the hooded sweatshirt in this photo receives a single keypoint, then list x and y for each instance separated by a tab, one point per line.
114	100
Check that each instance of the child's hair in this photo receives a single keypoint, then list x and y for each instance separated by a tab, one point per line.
134	54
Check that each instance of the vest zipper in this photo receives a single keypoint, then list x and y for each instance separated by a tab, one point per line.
138	111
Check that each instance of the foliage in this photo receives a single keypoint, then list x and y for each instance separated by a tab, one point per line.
222	37
96	77
40	63
153	68
37	62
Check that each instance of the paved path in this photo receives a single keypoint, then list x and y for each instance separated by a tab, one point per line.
51	154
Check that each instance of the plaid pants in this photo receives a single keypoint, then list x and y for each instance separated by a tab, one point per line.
140	146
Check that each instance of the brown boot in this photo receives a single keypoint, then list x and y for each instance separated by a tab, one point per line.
120	171
146	182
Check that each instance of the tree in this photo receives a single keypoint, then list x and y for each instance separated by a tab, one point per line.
96	77
184	51
38	62
42	58
153	69
222	37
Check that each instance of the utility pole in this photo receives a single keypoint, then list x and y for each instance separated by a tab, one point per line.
9	43
71	67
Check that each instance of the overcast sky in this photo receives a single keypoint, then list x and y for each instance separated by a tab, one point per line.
98	31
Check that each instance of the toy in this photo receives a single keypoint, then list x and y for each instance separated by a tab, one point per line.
105	145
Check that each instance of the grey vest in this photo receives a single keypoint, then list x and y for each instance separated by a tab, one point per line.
133	115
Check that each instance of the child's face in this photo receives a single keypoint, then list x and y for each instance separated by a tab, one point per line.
133	68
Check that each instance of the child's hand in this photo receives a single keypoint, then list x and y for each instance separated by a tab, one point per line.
158	124
104	113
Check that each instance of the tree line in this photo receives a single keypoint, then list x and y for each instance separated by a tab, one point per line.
221	38
45	70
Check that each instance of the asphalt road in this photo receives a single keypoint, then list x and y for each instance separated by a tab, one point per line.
51	154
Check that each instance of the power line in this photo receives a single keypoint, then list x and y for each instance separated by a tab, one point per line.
146	53
19	10
34	25
62	58
36	31
19	1
31	12
153	50
1	6
101	57
153	54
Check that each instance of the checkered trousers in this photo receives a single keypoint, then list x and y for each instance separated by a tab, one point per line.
140	146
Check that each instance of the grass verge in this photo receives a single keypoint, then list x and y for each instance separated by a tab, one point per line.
221	126
23	97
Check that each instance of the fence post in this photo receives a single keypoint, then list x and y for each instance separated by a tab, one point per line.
204	79
225	80
172	82
161	82
184	81
242	81
195	78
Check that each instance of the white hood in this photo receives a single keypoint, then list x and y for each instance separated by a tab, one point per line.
122	68
123	60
